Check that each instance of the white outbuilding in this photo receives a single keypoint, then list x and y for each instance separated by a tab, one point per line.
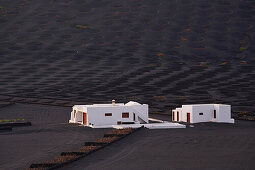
196	113
110	114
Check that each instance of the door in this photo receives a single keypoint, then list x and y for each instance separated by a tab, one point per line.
177	116
214	114
188	117
134	117
173	116
85	118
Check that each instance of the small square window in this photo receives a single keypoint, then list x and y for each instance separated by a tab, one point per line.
108	114
125	115
201	113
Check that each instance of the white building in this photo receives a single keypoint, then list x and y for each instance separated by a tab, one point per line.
203	113
110	114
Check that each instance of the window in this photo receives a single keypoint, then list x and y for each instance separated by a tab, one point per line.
125	115
108	114
200	113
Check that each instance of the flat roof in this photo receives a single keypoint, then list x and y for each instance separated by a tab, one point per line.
203	104
100	105
109	105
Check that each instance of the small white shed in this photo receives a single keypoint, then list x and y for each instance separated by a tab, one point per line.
196	113
110	114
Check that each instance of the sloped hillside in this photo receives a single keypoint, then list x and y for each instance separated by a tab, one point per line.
161	52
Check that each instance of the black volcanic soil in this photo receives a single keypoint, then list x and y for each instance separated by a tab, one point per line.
49	135
205	146
164	53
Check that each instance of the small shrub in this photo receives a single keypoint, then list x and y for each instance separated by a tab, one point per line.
95	81
184	39
88	148
244	112
182	97
61	159
242	48
10	120
81	26
202	64
223	63
160	55
121	131
160	98
107	139
187	30
243	62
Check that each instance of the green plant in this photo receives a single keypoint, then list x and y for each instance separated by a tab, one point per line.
242	48
10	120
2	8
81	26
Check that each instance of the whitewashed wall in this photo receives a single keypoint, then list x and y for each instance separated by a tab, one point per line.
187	109
223	113
180	114
79	114
96	115
207	111
142	111
78	117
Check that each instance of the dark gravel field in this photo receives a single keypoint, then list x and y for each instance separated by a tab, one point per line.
205	146
161	52
49	135
164	53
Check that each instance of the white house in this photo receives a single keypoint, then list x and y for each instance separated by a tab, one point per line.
110	114
203	113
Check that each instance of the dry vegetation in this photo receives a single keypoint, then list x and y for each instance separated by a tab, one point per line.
61	159
11	120
107	139
81	26
87	149
121	131
223	63
244	115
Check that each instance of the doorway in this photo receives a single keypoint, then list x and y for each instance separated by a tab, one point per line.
85	118
214	114
188	117
177	116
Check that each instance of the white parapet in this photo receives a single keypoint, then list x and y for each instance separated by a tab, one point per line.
163	125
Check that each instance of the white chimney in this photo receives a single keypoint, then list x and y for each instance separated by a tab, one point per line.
113	102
